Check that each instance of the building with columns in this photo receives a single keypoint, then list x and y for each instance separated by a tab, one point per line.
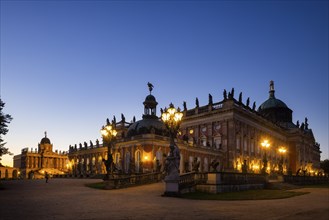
227	133
237	130
35	163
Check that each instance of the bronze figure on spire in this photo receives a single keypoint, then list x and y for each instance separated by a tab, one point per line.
150	86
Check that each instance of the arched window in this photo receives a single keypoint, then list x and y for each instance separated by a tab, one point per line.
190	163
238	143
117	160
87	164
218	142
204	141
127	162
137	160
159	155
245	145
205	165
15	174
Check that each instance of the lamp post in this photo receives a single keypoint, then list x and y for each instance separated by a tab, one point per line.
282	151
172	119
265	144
109	133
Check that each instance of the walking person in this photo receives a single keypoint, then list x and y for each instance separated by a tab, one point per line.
47	177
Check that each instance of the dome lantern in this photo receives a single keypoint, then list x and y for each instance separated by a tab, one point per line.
150	104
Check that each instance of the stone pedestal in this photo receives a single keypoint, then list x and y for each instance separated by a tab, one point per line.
213	178
172	188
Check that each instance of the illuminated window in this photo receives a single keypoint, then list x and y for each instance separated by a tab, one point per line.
238	143
245	145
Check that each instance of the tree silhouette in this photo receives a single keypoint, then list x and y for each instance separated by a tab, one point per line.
4	121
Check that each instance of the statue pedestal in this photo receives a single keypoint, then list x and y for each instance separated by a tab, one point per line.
172	188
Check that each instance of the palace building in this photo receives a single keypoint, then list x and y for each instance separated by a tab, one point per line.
228	135
35	163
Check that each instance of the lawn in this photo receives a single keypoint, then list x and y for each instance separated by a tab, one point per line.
262	194
99	185
244	195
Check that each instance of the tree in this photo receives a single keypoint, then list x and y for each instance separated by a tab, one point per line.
325	166
4	121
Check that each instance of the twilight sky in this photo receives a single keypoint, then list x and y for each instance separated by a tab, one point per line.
66	66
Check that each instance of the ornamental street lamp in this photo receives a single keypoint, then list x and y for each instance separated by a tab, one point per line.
109	133
265	144
282	151
172	119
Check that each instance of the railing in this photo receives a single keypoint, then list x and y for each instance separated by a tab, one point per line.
191	179
228	178
205	108
121	181
306	180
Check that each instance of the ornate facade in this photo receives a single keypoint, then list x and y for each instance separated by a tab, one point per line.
227	133
237	130
34	163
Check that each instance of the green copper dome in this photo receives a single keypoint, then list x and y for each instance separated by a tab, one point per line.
274	109
45	140
272	103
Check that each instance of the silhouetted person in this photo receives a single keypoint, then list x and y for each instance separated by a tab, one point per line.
47	177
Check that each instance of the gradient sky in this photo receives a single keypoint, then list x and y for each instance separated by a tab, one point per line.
66	66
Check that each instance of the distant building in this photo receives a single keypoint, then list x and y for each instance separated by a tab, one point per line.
34	163
227	133
8	172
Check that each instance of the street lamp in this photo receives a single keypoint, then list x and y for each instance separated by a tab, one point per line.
265	144
109	133
282	151
172	119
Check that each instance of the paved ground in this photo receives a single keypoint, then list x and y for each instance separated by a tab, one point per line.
70	199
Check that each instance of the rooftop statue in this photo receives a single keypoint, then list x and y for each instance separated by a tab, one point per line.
225	94
197	102
123	119
306	123
240	97
184	106
210	99
150	86
232	93
248	102
254	106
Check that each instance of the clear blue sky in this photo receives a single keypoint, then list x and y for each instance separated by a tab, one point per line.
68	65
